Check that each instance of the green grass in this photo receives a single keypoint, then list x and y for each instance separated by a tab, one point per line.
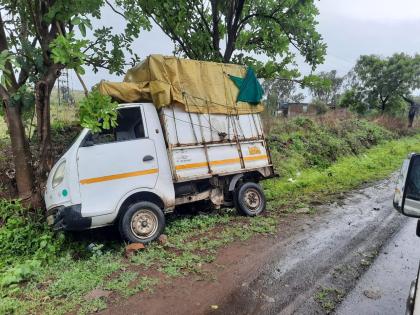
347	173
60	287
303	143
128	283
58	282
328	298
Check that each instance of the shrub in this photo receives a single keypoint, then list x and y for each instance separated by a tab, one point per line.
320	107
305	142
26	242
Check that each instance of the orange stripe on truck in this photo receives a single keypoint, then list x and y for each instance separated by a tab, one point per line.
117	176
255	157
220	162
178	167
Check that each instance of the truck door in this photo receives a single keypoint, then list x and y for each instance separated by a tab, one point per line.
116	161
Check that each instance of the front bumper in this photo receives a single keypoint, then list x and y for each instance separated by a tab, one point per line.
68	218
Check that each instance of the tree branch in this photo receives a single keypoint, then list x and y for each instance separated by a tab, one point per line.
25	71
115	10
82	83
189	52
272	16
215	20
3	93
232	24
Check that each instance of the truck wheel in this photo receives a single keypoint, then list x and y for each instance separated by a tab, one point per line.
249	199
143	222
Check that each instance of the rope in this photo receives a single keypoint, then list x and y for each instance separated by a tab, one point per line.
188	122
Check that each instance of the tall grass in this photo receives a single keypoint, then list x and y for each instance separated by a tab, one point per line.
347	173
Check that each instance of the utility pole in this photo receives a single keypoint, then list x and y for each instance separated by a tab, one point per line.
64	92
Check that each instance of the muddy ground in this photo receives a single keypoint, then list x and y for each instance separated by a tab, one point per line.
308	267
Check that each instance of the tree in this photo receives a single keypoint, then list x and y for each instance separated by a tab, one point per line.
328	91
353	100
280	91
379	83
236	30
37	41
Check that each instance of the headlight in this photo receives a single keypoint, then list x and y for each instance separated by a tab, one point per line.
59	175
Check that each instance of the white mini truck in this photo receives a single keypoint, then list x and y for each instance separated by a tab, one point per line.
134	174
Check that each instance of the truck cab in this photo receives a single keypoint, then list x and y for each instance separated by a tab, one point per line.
89	183
135	173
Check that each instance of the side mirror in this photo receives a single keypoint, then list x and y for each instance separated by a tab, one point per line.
409	204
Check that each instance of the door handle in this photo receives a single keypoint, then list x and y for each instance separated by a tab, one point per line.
148	158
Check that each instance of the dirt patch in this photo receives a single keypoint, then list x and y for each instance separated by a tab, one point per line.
235	264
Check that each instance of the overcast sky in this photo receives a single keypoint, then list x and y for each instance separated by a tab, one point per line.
349	28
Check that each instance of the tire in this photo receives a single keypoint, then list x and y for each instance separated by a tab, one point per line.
142	222
249	199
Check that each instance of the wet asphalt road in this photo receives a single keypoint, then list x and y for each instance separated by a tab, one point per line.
388	280
331	255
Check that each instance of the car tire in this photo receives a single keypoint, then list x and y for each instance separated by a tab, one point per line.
142	222
249	199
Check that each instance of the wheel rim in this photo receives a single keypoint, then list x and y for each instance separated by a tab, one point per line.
144	223
252	199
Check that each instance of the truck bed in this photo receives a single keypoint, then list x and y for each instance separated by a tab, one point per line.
203	145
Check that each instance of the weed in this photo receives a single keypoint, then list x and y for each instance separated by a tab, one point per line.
25	242
121	284
92	306
153	254
146	284
81	277
328	298
126	285
181	264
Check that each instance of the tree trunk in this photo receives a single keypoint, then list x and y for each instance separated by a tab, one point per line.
411	114
21	158
42	104
383	107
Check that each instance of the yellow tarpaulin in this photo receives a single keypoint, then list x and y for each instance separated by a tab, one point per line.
199	86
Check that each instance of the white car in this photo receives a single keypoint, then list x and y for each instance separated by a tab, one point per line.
407	201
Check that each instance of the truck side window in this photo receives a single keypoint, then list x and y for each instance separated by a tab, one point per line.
130	126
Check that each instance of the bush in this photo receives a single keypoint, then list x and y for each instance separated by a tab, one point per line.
26	242
320	107
304	142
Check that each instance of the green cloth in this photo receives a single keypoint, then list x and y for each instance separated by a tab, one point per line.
250	90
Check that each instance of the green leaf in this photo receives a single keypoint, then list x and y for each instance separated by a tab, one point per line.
98	112
68	51
76	21
82	29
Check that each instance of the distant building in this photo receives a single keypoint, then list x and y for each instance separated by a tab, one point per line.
296	109
300	109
